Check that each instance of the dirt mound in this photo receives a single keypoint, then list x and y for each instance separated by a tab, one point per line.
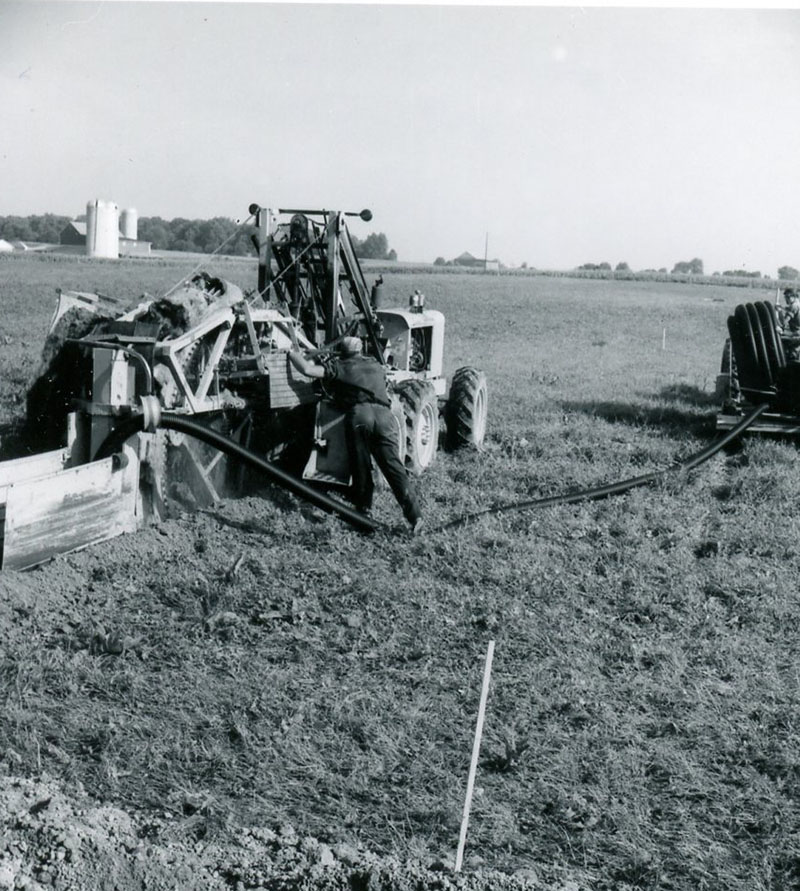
59	380
50	840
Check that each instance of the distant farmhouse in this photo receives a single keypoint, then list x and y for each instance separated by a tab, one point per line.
104	231
466	259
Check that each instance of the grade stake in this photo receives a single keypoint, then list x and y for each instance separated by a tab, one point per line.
476	747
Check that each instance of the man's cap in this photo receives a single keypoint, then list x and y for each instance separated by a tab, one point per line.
351	346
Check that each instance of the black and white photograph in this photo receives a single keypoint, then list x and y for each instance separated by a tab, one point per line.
399	423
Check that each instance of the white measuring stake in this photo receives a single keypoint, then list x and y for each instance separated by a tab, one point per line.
476	747
664	339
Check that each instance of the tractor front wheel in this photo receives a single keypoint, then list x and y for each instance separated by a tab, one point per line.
466	409
399	415
421	409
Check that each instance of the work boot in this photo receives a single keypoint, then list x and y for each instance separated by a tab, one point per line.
418	526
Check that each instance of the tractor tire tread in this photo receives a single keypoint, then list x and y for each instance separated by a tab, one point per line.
460	415
413	396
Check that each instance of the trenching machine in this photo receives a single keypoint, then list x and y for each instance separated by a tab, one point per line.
176	401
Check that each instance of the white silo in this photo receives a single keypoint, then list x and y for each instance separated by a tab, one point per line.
129	223
102	229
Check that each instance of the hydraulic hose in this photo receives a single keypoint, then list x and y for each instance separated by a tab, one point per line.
622	485
182	424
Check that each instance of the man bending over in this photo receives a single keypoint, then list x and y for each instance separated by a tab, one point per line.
358	384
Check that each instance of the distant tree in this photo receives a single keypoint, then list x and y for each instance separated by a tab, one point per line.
741	273
392	255
604	266
46	227
524	264
154	230
691	267
622	267
213	233
18	228
440	261
789	273
374	247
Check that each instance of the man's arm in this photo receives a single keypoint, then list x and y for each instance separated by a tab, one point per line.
305	366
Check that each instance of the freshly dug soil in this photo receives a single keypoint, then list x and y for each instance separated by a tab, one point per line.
49	840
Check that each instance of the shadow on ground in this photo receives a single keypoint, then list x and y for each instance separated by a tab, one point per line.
675	409
14	443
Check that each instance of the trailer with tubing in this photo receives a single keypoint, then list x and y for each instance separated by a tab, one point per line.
759	367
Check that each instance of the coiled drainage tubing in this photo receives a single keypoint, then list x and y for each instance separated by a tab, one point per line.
181	424
622	485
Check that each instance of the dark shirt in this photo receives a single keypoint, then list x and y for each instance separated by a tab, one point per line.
357	379
791	317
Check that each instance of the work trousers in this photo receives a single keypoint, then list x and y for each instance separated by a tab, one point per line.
372	432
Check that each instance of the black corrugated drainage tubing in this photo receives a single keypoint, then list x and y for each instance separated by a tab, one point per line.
623	485
183	424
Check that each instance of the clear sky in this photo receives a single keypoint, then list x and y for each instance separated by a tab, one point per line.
569	134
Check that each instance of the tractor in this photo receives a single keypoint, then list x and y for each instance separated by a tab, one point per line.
173	403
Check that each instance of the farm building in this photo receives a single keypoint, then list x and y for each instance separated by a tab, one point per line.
5	246
74	234
132	247
466	259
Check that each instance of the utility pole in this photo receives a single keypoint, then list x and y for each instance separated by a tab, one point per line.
486	252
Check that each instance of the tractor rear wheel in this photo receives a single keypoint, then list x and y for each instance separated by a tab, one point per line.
421	409
466	409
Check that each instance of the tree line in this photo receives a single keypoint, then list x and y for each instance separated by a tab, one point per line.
180	234
206	236
45	228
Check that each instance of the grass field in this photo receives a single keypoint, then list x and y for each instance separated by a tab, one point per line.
643	721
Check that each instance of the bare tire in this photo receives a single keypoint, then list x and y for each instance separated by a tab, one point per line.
421	409
467	409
